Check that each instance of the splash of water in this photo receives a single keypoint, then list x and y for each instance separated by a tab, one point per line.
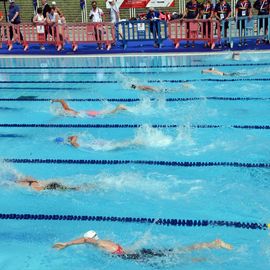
8	174
145	136
144	107
161	186
152	137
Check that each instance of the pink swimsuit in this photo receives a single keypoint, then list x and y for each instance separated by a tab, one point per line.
93	113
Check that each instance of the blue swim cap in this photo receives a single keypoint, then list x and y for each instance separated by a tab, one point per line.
59	140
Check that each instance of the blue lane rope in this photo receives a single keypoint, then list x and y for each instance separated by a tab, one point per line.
179	99
11	136
157	221
139	67
57	82
9	109
140	162
38	88
84	73
149	81
210	80
266	127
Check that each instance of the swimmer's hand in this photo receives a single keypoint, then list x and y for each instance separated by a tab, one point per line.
60	246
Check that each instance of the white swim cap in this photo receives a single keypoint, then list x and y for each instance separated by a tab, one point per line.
91	234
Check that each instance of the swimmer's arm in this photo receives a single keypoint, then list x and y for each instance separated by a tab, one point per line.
147	88
73	141
78	241
64	105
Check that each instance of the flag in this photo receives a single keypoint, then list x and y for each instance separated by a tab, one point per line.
35	4
82	4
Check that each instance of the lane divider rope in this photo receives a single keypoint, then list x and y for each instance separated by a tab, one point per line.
149	81
145	66
140	162
38	88
265	127
138	99
12	136
157	221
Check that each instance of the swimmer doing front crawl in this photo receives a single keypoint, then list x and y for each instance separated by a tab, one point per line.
219	73
110	247
157	89
38	185
73	141
90	113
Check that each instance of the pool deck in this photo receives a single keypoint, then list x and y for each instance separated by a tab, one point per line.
132	48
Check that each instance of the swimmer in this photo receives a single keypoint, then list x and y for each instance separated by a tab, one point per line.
113	248
38	185
153	89
144	88
219	73
73	140
90	113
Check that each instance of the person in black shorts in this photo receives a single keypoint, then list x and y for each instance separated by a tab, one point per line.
222	13
262	6
15	21
243	10
45	10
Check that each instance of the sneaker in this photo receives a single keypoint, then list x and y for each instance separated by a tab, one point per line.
187	45
25	47
219	46
245	44
177	45
10	47
75	48
109	47
193	45
239	44
42	48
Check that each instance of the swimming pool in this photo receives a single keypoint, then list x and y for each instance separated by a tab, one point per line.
215	129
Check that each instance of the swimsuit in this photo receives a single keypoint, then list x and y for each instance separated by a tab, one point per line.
145	254
93	113
119	251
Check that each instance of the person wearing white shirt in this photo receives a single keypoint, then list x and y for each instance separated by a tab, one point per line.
114	12
96	13
115	16
96	16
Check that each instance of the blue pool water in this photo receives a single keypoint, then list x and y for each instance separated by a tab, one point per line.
200	118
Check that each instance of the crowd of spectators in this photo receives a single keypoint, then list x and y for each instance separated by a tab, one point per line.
49	18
